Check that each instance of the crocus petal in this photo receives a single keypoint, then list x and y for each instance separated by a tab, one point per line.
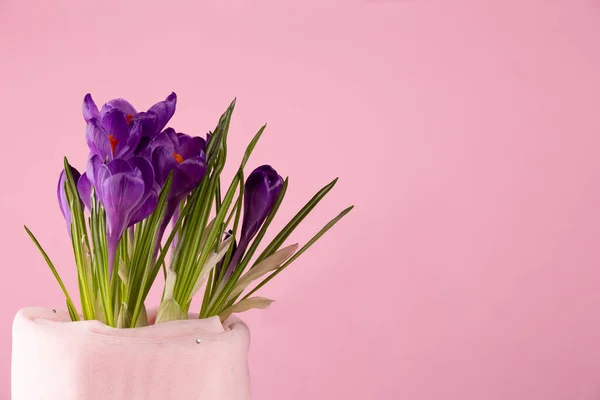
148	122
118	104
164	110
135	135
145	209
84	187
97	139
94	163
123	191
256	202
105	171
147	173
120	188
62	199
163	139
181	138
260	192
172	135
118	166
121	194
116	127
163	163
156	118
192	147
62	196
89	108
186	177
143	149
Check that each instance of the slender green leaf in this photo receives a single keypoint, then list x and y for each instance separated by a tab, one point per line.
329	225
72	311
299	217
221	297
251	146
142	271
265	266
80	243
54	272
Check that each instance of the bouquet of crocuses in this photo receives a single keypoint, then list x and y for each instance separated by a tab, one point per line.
151	199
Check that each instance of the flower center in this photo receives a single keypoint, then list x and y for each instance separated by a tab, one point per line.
129	117
177	158
113	143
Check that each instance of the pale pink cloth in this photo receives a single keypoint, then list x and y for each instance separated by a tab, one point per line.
59	360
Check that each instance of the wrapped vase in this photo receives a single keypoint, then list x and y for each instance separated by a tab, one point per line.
56	359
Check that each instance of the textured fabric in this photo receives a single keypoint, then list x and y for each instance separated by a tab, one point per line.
60	360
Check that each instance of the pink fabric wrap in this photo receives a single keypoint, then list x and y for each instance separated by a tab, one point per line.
60	360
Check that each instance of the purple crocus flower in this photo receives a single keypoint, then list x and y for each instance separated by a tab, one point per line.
156	118
62	196
126	190
111	136
181	154
118	130
90	110
260	193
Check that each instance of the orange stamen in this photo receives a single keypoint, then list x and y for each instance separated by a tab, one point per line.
129	116
113	143
178	158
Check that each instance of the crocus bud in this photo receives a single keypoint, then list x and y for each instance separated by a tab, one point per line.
62	196
260	193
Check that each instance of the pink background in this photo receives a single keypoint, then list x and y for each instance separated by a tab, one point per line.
465	132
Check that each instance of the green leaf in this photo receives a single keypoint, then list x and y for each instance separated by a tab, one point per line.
216	138
299	217
191	243
184	289
221	297
142	271
267	265
72	311
251	146
70	305
80	243
100	275
237	208
329	225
